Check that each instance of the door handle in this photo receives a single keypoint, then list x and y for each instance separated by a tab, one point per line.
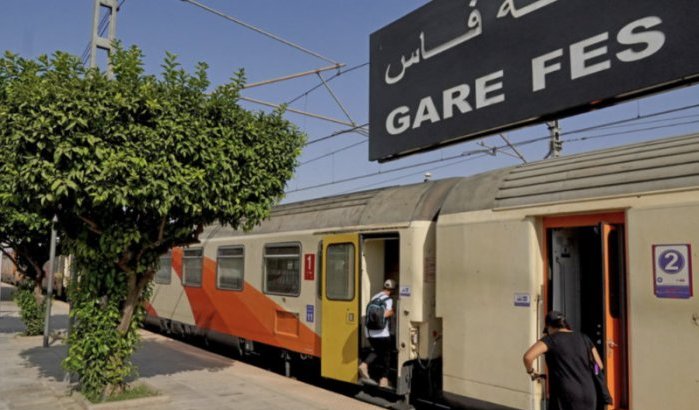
350	317
612	344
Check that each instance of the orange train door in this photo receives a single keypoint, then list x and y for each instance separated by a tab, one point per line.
586	280
614	312
340	304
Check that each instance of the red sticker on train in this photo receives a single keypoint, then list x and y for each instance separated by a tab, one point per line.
309	266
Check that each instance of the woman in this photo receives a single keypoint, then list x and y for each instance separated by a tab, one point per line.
568	360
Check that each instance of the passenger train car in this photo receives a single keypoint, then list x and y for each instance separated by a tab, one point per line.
607	237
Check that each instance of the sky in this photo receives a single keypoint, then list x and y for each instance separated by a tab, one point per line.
339	31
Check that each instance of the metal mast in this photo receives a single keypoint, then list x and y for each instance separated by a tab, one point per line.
99	42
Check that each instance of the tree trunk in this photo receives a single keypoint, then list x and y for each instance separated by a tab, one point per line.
38	278
38	292
133	298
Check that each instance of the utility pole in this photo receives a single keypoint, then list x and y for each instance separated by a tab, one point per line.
49	280
99	42
556	144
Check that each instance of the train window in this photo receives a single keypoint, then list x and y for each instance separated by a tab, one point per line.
340	272
230	264
283	269
162	276
191	267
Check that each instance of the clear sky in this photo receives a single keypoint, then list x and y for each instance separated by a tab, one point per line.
338	30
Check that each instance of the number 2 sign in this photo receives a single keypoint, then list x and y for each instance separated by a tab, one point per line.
672	271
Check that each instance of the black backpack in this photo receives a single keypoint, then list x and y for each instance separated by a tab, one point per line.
375	310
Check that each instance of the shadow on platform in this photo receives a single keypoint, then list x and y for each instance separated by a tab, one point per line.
46	359
10	323
165	357
153	358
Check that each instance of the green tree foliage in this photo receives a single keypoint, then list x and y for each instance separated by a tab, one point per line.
23	231
26	234
133	165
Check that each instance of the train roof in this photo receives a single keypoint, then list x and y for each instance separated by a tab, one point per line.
392	206
651	166
661	165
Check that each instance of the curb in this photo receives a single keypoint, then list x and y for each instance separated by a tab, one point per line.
143	402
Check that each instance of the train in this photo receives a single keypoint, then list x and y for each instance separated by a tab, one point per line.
607	237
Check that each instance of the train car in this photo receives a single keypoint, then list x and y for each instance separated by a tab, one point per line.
606	237
299	281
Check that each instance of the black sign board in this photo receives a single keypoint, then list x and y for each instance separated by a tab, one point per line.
456	70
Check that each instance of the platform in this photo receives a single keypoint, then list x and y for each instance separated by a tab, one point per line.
31	376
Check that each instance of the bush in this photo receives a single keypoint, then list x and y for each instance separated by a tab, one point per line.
32	313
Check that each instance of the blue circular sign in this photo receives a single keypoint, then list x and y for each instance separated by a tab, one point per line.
671	261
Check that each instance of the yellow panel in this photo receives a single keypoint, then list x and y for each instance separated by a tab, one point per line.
340	321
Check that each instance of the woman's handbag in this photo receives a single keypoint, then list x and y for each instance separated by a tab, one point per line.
603	395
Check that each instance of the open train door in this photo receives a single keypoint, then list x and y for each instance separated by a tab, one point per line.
587	281
614	313
340	304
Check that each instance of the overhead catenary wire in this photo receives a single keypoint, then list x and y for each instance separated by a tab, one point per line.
453	162
627	122
364	176
333	152
486	151
317	86
261	31
356	129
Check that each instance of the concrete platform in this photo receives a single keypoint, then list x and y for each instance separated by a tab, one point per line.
31	376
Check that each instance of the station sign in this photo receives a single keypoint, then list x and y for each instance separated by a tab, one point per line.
455	70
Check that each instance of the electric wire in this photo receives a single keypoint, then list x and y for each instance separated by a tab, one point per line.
590	137
260	31
355	129
518	144
458	161
332	153
339	73
390	171
627	122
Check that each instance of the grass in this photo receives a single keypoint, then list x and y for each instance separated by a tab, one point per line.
138	391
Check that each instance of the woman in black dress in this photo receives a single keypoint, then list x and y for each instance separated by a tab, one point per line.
568	361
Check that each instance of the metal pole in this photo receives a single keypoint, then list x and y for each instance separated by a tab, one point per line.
556	144
49	286
71	283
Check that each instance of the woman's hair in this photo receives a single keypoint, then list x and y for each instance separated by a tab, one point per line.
557	320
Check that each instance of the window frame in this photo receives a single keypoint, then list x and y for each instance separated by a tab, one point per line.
167	255
352	273
201	267
264	267
218	258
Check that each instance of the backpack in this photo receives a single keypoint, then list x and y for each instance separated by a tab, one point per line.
375	310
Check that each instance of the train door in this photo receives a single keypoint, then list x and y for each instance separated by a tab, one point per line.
340	304
586	281
380	259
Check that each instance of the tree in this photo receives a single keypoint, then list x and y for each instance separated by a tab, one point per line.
27	234
133	165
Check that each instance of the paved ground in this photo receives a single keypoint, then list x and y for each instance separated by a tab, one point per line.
31	376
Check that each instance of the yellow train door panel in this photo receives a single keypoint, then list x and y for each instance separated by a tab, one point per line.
340	304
